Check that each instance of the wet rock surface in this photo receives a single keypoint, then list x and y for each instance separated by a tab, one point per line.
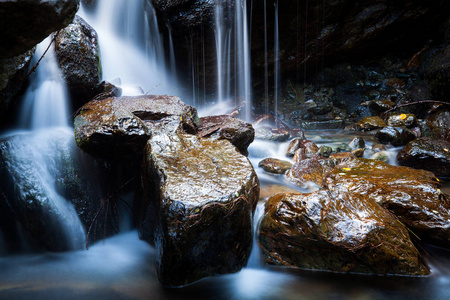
78	54
413	196
274	165
27	23
337	232
370	123
12	76
439	124
428	154
396	136
239	133
120	127
199	198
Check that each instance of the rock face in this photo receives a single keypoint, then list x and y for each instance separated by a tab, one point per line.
125	124
428	154
78	54
239	133
337	232
26	23
200	195
12	75
413	196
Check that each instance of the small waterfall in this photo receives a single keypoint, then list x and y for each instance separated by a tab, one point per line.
277	76
131	47
46	101
255	260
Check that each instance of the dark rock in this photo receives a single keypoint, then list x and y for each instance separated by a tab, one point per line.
12	76
370	123
199	199
272	134
408	120
318	125
439	124
428	154
325	151
397	136
358	152
241	134
120	127
108	90
273	165
339	232
379	106
413	196
435	68
26	23
78	54
356	143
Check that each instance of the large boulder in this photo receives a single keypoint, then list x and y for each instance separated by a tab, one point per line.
396	136
428	154
238	132
120	127
26	23
13	73
200	195
337	232
413	196
78	54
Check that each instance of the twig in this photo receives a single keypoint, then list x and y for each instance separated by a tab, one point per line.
414	103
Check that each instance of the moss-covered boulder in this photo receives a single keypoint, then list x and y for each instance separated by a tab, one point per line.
200	195
428	154
120	127
274	165
78	54
339	232
413	196
240	133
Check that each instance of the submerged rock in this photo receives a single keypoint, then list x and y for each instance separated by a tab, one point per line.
78	54
120	127
413	196
428	154
29	22
200	195
337	232
276	166
239	133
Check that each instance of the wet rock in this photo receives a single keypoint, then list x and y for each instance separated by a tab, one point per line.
318	125
78	54
408	120
239	133
413	196
379	106
325	151
428	154
308	171
357	142
370	123
439	124
299	155
293	146
378	147
108	90
120	127
396	136
30	22
381	156
341	148
12	76
199	199
435	68
274	165
26	161
335	231
358	152
272	134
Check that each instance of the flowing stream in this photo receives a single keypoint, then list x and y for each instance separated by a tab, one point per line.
122	267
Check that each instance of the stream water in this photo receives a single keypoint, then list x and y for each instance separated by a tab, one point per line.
122	267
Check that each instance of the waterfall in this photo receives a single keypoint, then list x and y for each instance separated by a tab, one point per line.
131	47
277	63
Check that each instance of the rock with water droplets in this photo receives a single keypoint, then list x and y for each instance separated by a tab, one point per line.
120	127
310	170
428	154
370	123
238	132
26	23
413	196
274	165
335	231
200	195
78	54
